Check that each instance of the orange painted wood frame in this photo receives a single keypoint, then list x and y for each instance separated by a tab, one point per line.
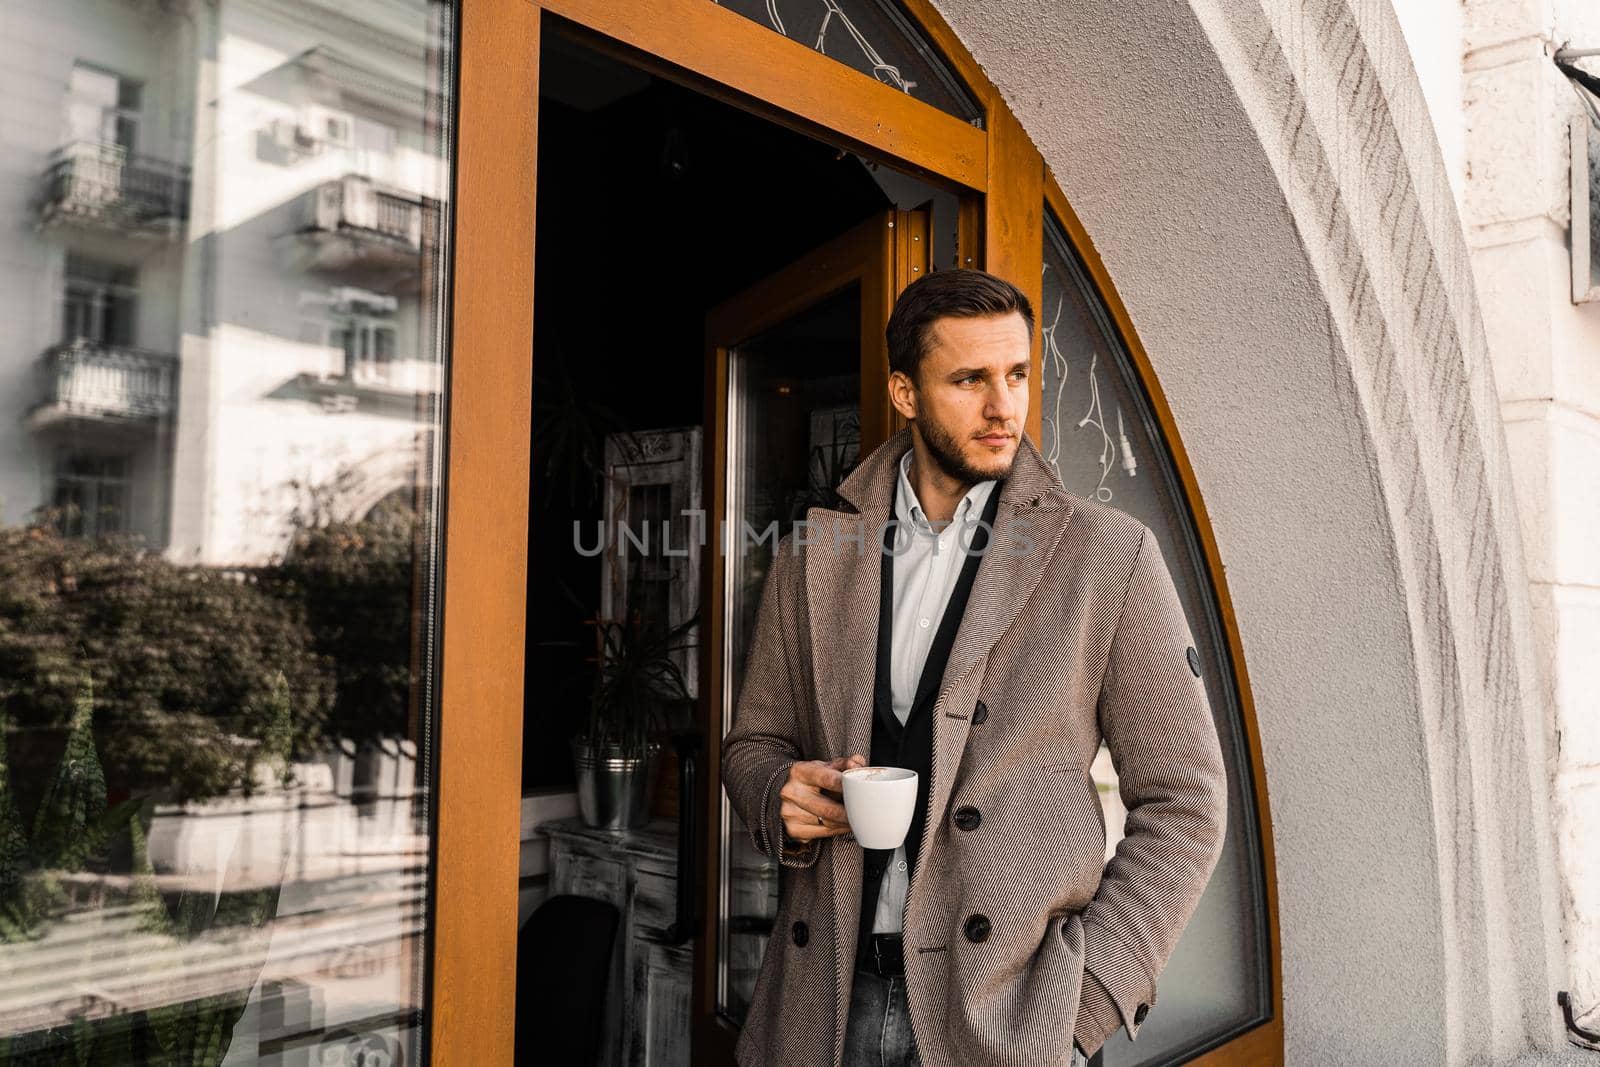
728	56
474	928
882	255
1004	188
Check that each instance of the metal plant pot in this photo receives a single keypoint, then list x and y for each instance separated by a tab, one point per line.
614	788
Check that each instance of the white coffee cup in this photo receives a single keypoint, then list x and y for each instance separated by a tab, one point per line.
880	802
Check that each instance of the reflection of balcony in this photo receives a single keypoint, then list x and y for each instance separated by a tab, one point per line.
84	382
405	389
365	233
103	187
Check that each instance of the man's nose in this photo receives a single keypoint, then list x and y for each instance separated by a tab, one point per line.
1001	406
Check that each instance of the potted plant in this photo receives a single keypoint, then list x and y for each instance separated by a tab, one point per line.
637	690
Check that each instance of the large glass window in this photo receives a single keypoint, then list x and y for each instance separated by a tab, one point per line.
1105	443
794	434
218	528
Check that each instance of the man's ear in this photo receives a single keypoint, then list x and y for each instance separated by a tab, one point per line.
903	394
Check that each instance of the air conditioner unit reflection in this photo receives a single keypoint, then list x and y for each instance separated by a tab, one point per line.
313	130
292	137
332	128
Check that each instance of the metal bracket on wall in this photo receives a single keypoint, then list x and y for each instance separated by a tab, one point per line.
1584	172
1584	135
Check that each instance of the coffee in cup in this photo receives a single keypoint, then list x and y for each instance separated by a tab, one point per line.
880	802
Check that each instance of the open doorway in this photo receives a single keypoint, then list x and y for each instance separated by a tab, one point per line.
711	289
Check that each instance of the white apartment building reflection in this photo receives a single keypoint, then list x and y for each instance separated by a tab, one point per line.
219	290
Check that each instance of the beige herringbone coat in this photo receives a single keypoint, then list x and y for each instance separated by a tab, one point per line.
1073	628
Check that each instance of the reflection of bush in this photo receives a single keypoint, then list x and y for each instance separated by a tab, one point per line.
353	581
204	682
182	660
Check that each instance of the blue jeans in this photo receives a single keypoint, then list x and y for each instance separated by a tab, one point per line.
878	1033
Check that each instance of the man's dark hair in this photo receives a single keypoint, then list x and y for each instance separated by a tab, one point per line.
961	293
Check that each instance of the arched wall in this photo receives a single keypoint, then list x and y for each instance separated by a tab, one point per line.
1265	188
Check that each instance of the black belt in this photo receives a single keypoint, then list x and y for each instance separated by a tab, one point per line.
882	955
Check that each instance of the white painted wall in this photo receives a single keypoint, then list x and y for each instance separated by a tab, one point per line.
1268	189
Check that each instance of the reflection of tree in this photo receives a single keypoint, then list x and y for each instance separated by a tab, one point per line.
832	451
828	464
205	682
352	581
184	658
183	661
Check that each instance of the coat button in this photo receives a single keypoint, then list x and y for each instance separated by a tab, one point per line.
977	928
801	934
968	818
980	713
1140	1013
1194	661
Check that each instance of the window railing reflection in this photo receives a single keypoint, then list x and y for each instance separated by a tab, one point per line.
105	185
86	378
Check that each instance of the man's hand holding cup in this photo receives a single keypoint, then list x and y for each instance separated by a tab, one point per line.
813	805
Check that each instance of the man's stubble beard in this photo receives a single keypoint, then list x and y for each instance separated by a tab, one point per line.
946	453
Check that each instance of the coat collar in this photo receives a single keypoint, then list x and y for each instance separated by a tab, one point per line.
868	487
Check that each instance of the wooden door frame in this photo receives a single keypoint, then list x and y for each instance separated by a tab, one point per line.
1003	187
473	932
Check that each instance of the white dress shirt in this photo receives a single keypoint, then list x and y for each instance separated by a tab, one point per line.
927	565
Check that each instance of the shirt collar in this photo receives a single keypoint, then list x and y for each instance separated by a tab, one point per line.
908	509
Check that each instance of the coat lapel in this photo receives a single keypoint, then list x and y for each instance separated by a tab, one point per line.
842	583
843	577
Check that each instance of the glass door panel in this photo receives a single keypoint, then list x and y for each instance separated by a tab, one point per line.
794	432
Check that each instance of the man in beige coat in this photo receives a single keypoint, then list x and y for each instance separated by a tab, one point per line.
1014	942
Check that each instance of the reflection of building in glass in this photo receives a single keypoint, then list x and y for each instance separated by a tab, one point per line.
218	289
227	233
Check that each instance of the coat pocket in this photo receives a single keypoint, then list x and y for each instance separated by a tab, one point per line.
1049	1004
1066	768
1067	926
